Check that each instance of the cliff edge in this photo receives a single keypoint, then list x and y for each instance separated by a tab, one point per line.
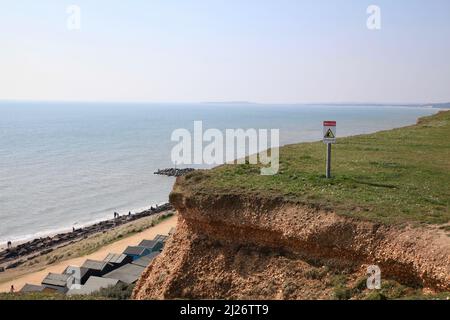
298	236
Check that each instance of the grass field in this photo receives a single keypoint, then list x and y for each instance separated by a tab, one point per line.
396	176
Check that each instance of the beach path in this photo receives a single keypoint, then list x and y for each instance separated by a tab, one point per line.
116	247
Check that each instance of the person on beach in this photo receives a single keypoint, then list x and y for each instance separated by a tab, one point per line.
9	245
12	290
129	213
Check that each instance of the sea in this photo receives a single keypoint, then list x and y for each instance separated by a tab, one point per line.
67	164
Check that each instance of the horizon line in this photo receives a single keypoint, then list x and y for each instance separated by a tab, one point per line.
226	102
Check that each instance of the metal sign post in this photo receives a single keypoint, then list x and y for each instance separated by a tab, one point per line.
328	161
329	137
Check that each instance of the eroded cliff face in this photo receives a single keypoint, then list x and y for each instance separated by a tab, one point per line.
233	246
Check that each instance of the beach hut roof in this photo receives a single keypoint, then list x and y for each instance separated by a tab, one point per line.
135	250
150	243
145	260
32	288
161	238
70	271
128	273
100	282
147	243
115	258
93	284
56	279
95	265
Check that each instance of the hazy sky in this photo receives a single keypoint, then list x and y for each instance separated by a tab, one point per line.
223	50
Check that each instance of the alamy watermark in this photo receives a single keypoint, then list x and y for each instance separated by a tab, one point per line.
374	277
237	146
73	21
374	19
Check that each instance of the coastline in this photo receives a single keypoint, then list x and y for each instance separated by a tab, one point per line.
20	253
56	216
373	213
36	276
63	230
19	240
104	226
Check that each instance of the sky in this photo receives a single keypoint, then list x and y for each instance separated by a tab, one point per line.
267	51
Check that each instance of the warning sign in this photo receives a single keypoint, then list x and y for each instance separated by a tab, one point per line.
329	131
329	134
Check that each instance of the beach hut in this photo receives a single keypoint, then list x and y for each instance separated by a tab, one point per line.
128	274
118	260
161	238
135	252
98	268
30	288
152	245
93	285
145	260
79	274
58	282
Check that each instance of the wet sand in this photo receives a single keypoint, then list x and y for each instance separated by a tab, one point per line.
116	247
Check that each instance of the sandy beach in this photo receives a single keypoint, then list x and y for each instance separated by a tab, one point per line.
116	247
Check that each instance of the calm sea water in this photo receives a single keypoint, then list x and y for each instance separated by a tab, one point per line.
69	164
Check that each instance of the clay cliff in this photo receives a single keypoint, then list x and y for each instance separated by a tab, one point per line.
232	246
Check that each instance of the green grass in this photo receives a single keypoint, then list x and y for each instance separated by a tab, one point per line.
396	176
343	289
